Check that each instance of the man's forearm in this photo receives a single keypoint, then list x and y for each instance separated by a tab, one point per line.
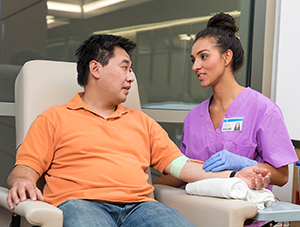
192	172
21	172
254	177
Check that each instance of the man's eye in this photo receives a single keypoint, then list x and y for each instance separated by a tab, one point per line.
193	60
130	70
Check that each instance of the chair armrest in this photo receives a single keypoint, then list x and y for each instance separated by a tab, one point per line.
35	212
206	211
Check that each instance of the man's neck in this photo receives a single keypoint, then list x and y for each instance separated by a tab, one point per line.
104	110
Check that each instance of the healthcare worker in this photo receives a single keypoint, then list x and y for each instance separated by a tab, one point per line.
237	126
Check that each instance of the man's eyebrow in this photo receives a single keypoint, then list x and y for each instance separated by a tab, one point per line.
126	61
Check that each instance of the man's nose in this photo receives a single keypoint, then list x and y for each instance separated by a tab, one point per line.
130	76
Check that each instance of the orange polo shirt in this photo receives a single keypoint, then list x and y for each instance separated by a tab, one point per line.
86	156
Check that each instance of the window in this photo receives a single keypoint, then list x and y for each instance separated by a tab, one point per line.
163	29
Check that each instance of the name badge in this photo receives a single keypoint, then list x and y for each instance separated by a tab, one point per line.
232	124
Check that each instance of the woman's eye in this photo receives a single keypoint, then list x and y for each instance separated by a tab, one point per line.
204	56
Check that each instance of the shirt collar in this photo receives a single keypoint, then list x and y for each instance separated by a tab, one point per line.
77	103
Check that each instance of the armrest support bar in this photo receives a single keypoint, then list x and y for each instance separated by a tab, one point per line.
35	212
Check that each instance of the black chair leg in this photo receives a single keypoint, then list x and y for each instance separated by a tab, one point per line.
15	220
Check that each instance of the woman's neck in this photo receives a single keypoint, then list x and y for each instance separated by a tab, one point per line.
225	93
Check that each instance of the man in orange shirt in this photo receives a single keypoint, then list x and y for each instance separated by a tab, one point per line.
94	151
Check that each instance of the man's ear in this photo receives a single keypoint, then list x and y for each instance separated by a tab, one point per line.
227	55
95	69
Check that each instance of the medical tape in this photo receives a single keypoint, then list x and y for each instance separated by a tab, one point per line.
177	165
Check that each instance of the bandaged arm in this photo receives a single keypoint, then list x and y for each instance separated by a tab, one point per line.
191	170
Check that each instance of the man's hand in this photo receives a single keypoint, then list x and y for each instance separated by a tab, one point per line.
22	184
226	160
21	190
255	177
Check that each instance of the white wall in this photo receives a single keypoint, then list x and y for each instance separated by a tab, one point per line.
286	64
285	89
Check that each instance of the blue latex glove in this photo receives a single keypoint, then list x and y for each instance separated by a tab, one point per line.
227	160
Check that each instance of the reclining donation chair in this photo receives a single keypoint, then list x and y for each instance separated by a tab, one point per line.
42	84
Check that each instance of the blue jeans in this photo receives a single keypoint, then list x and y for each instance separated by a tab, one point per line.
80	213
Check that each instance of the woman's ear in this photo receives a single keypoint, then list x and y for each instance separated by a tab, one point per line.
227	55
95	69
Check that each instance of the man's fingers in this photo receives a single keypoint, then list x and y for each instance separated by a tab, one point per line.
19	193
259	182
259	170
10	201
267	180
252	183
39	195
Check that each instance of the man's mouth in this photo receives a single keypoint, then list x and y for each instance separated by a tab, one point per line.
127	88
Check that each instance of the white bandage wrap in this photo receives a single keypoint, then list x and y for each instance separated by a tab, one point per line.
177	165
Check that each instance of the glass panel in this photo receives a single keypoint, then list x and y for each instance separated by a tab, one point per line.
7	148
163	30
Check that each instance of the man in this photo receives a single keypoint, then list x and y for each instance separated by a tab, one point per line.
94	151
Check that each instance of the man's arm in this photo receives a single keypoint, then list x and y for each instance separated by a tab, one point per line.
22	184
254	177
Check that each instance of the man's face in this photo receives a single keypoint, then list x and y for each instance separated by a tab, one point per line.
116	78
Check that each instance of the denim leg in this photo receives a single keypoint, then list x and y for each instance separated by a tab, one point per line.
151	214
81	213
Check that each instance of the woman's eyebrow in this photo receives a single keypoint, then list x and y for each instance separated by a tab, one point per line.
199	52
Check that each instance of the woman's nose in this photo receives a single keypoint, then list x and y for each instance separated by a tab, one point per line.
196	66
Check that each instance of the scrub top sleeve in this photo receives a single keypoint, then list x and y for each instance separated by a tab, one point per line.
185	134
182	145
274	143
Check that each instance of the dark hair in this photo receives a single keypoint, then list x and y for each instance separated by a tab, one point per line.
101	49
221	27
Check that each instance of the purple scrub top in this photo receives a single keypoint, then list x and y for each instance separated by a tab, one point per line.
261	133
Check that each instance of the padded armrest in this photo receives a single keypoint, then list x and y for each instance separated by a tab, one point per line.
35	212
206	211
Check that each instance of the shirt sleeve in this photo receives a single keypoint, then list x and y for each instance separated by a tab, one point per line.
163	149
274	142
37	149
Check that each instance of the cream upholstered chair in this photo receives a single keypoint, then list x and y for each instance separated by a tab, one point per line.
42	84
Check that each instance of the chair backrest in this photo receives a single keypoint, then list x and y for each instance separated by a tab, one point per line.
42	84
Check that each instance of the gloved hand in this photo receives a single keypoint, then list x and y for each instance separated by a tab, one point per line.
227	160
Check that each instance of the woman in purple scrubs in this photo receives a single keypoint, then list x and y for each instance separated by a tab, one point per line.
237	126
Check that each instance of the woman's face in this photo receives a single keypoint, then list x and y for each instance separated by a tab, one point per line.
208	63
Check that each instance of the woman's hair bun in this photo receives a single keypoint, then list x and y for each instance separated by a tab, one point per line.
223	21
